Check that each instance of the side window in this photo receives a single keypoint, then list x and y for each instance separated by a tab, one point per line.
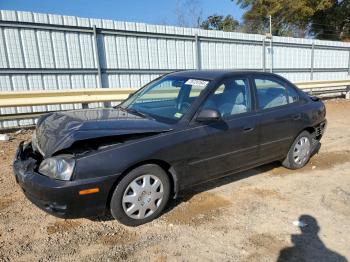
270	93
292	95
230	98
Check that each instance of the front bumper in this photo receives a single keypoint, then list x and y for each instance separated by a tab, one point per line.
320	129
60	198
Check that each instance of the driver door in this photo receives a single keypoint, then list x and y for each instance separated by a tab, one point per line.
230	144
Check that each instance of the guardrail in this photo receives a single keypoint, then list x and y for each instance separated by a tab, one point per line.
320	88
85	96
326	87
72	96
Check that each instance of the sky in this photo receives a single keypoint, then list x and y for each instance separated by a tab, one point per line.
144	11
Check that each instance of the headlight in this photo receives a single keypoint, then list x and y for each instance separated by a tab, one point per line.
60	167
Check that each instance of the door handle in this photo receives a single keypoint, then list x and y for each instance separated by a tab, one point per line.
248	129
297	117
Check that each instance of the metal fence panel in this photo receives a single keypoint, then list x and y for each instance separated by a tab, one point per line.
45	51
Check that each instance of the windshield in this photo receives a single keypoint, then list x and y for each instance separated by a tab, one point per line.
166	99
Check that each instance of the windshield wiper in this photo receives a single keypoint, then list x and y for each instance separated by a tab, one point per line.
119	107
133	111
137	112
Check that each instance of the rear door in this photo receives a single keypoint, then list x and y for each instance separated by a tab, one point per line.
229	144
277	116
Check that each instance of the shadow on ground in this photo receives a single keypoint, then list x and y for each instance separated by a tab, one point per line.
308	246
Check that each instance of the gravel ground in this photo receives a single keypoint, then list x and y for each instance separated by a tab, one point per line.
245	217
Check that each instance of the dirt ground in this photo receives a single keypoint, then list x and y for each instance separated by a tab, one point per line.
245	217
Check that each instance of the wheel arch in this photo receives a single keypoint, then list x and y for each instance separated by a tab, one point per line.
309	129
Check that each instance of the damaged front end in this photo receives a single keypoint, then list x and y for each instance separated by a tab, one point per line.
53	169
57	132
26	159
58	197
83	147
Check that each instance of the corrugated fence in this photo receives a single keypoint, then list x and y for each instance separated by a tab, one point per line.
43	51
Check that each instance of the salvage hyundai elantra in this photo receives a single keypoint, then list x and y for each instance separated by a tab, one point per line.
181	129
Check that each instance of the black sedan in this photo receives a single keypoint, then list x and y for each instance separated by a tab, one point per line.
181	129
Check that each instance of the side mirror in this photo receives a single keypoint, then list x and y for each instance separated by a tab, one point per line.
208	115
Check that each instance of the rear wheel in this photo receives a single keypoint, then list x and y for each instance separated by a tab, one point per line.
141	195
300	152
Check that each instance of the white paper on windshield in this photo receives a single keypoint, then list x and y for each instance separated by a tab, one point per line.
196	82
178	115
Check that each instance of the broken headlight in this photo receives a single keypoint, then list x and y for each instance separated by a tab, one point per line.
60	167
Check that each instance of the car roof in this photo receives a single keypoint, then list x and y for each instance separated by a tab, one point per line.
212	74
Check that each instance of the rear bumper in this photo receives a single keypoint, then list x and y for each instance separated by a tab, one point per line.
316	137
60	198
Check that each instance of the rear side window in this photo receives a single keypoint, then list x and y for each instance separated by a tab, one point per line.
270	93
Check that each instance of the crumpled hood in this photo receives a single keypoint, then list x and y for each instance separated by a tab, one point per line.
57	131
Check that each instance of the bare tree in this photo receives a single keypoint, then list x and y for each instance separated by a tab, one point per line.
188	13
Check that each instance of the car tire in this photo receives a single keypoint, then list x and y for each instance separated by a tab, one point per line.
141	195
300	152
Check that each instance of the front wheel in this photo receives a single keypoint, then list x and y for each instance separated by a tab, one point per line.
300	152
141	195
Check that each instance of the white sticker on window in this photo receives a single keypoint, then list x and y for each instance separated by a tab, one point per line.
178	115
196	82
